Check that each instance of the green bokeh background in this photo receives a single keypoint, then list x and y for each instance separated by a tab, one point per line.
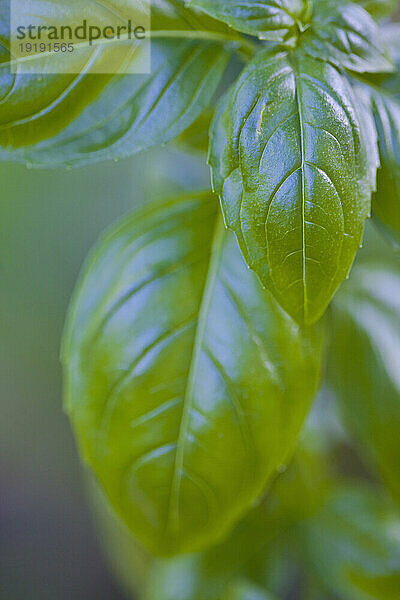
48	222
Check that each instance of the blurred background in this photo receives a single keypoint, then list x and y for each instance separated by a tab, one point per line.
49	548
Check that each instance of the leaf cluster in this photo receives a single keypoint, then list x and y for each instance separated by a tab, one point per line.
192	353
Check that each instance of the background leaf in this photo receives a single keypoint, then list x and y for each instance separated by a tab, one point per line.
379	8
273	20
364	363
295	179
186	382
386	201
51	120
353	538
344	34
383	96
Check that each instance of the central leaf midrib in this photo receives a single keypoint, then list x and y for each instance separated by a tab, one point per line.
303	198
172	523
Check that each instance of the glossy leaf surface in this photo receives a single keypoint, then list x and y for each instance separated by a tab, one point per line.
78	119
365	364
186	382
289	162
273	20
354	540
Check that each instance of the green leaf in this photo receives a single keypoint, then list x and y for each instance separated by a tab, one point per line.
386	202
383	99
257	548
384	103
365	364
273	20
185	381
391	34
379	8
345	34
258	545
195	138
353	539
50	120
288	160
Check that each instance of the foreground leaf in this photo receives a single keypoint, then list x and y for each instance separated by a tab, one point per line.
289	163
52	120
273	20
259	542
185	381
346	35
352	540
257	548
365	364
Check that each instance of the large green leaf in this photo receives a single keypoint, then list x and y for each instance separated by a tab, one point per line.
77	119
258	545
186	383
257	548
274	20
353	546
365	363
289	162
345	34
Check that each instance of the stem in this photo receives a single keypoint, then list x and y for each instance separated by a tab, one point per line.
207	36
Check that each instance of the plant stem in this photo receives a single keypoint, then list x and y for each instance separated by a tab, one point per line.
215	36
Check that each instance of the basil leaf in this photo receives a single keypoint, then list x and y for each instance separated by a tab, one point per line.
186	382
384	104
259	541
50	120
382	98
386	202
391	33
351	541
346	35
288	160
379	8
255	549
195	138
365	364
273	20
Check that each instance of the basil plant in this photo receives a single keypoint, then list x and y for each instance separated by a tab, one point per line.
204	325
